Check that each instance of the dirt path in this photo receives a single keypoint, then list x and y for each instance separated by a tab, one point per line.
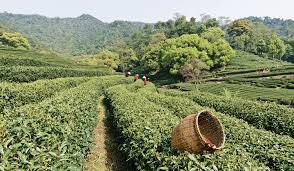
105	154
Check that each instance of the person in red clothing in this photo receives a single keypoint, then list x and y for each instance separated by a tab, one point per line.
136	77
144	79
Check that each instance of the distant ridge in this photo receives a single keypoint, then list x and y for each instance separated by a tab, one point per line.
84	34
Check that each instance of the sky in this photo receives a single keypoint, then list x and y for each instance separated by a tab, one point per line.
150	10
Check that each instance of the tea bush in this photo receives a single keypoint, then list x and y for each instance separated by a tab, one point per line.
55	134
272	117
146	130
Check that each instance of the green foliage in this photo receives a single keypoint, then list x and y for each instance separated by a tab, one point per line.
82	35
140	40
15	40
127	56
269	116
244	61
262	146
177	27
276	46
282	96
284	28
193	70
104	57
174	53
55	134
213	34
28	74
19	61
146	129
240	27
14	95
255	38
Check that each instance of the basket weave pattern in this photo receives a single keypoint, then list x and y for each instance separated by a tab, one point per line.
197	133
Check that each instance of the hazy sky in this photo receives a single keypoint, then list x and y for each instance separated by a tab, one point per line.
150	10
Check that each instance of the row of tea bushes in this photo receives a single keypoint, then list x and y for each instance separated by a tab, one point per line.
28	74
275	151
280	96
17	94
55	134
146	130
19	61
270	116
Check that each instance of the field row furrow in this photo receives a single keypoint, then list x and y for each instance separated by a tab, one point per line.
55	134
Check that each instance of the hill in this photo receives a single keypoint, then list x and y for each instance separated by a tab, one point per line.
17	65
81	35
284	28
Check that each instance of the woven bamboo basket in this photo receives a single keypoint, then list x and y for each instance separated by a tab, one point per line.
198	132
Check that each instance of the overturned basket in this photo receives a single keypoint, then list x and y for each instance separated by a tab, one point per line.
198	132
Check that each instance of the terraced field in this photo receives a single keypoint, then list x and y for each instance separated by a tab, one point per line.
146	123
49	114
278	95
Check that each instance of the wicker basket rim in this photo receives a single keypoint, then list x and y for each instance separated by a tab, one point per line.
197	129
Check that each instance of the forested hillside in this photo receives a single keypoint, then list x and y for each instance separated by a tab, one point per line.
82	35
284	28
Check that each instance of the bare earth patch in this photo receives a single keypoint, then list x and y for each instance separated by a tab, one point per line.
105	155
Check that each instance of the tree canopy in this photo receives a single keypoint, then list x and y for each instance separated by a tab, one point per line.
255	38
174	53
13	39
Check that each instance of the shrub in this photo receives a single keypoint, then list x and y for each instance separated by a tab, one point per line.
55	134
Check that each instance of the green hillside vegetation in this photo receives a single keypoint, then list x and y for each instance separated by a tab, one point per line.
286	81
82	35
64	99
13	39
247	61
19	57
269	116
55	133
256	38
147	135
284	28
280	96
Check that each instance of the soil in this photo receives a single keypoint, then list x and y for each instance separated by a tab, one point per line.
105	154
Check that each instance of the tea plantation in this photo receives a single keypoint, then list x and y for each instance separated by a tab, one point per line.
49	110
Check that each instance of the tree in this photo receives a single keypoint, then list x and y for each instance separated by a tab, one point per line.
193	69
212	23
276	47
127	55
180	26
213	34
191	26
151	61
256	38
14	40
177	27
172	55
157	38
240	27
140	40
108	58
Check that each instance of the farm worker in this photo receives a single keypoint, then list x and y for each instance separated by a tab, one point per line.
144	79
136	77
128	74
